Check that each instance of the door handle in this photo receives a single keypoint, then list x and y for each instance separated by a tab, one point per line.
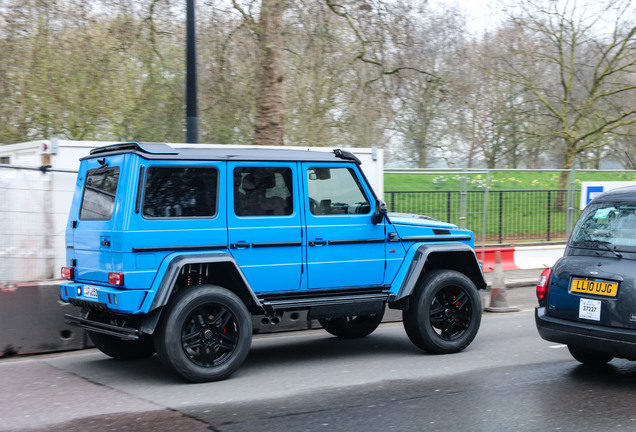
317	242
240	245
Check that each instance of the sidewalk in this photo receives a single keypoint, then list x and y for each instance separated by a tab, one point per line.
517	278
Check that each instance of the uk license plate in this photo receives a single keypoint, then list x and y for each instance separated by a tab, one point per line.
596	287
90	291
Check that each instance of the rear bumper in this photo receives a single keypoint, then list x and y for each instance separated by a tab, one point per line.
123	301
618	342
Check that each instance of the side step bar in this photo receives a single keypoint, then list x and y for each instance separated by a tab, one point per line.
353	302
125	333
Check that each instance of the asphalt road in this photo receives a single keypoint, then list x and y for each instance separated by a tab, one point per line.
508	379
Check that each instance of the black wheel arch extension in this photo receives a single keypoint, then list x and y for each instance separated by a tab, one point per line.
449	256
223	272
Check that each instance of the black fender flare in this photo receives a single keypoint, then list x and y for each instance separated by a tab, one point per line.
166	287
223	260
451	256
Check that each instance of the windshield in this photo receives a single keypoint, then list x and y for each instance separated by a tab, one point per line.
607	226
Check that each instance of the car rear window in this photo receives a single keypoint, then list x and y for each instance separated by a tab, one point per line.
180	192
607	225
100	189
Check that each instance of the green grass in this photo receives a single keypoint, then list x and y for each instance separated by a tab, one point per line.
499	180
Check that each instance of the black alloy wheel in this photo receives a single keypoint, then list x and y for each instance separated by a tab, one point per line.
210	335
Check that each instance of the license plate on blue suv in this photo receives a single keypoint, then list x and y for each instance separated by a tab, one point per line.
90	291
596	287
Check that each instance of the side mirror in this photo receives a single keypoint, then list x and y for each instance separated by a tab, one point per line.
380	212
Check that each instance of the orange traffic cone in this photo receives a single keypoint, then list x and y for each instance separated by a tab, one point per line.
498	302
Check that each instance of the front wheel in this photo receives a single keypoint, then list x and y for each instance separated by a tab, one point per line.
444	314
352	327
205	333
587	357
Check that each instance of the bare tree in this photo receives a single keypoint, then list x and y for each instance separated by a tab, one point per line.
577	65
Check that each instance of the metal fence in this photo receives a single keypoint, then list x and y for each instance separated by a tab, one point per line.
496	217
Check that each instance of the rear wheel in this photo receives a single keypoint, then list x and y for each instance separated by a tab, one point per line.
444	313
123	349
205	333
587	357
352	327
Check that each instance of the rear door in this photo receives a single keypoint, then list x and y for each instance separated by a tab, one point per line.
93	217
344	248
264	224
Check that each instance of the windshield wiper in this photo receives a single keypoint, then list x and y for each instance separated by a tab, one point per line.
605	244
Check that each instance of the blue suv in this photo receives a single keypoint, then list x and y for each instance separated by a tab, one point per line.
175	250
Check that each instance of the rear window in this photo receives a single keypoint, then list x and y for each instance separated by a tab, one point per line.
180	192
100	189
607	225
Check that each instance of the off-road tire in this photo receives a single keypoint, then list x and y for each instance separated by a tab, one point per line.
204	334
444	313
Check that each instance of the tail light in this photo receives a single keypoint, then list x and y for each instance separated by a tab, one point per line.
543	285
68	273
115	278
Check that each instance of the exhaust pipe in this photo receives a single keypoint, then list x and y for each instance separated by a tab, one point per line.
271	320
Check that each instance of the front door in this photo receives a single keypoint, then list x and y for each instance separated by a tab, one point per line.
344	248
264	224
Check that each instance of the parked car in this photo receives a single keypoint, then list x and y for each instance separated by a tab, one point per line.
587	300
175	250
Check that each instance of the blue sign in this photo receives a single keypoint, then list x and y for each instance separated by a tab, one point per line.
592	192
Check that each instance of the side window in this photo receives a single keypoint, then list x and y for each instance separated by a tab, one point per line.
180	192
335	191
263	191
100	189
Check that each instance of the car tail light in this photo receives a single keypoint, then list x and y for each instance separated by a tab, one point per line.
115	278
543	285
68	273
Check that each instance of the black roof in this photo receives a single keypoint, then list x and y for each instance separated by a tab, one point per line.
627	193
163	151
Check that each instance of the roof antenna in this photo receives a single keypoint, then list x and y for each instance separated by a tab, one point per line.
630	161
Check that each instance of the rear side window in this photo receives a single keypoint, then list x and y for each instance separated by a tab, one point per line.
180	192
263	191
100	189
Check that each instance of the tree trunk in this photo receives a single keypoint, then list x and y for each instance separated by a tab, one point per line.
568	162
270	99
422	154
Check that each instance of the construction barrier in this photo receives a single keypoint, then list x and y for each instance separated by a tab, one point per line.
520	257
32	320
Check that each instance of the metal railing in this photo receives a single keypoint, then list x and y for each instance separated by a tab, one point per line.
498	217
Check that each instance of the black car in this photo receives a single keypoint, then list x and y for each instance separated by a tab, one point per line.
587	300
